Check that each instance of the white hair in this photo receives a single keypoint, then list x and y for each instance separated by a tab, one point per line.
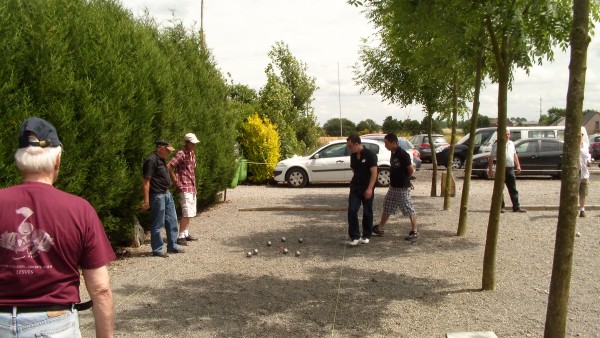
37	159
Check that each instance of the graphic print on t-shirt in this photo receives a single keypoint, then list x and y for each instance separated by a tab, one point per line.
27	241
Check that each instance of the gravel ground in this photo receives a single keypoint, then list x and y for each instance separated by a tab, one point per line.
388	288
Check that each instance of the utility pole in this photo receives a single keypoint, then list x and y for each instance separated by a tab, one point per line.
202	39
540	107
340	99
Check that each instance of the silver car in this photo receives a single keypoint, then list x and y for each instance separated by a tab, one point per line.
330	163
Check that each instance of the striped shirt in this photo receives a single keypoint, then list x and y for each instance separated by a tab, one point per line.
184	163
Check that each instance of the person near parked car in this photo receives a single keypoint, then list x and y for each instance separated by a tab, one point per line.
398	194
363	163
159	200
510	179
47	235
584	174
182	169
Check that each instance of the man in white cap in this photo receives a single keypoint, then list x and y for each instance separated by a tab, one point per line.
182	168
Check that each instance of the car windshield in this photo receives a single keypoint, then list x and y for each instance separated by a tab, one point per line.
463	139
438	139
405	144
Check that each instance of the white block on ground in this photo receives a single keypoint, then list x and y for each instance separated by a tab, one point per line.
481	334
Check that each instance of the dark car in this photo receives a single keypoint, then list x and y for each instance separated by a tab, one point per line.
537	156
461	147
595	146
421	143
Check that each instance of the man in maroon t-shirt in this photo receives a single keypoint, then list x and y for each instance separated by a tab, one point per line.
46	235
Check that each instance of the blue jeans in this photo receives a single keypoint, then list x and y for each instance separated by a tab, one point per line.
39	324
355	199
163	214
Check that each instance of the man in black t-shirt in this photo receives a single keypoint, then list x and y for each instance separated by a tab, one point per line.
364	166
398	195
158	199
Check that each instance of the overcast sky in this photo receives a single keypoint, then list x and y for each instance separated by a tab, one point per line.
326	35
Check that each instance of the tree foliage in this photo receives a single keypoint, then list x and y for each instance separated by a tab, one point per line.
261	146
368	126
482	122
111	85
332	127
420	58
435	125
286	100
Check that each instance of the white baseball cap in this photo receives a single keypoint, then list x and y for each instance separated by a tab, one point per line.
191	138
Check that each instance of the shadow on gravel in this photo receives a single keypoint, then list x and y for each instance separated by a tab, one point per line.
237	306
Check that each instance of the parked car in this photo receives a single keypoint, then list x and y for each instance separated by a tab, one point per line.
537	156
405	144
330	163
517	133
595	146
461	147
421	143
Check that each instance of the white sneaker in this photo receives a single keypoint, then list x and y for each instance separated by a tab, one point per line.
363	241
354	242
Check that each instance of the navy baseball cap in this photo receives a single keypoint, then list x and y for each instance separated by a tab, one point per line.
42	129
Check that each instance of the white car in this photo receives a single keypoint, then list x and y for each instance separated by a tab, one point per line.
330	163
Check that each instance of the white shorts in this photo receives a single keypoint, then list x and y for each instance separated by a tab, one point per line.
187	200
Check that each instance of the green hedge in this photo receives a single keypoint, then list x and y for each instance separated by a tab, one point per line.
111	85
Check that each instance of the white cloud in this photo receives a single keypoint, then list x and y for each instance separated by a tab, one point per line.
324	34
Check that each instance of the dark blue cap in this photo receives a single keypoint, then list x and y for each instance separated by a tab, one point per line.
42	129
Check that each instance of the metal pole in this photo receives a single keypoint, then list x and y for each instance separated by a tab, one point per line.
540	107
340	99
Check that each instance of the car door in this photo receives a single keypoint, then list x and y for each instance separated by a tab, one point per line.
550	156
331	164
528	155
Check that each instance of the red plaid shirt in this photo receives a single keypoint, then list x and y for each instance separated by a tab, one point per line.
184	163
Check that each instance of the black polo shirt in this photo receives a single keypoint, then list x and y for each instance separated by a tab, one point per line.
155	168
399	161
362	168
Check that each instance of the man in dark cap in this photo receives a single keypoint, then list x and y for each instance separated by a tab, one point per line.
159	200
46	236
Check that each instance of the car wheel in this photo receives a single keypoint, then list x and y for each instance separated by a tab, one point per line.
296	178
457	162
383	177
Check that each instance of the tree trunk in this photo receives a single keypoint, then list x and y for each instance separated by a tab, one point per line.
453	138
558	299
503	64
464	200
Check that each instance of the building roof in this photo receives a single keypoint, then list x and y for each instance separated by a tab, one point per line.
587	116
